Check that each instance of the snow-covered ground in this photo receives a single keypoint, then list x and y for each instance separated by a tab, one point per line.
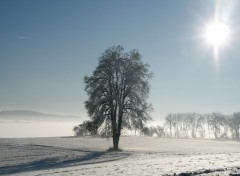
140	156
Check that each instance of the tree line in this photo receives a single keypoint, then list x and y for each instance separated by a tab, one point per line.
202	125
181	125
89	128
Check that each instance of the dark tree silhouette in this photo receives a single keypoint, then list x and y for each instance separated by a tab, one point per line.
85	128
117	92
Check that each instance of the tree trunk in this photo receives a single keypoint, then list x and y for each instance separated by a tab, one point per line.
237	133
170	130
115	141
115	134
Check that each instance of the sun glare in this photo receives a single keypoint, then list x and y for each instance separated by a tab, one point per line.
217	33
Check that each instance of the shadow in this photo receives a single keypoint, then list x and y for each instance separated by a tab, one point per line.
90	157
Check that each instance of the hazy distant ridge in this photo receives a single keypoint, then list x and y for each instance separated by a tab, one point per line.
29	113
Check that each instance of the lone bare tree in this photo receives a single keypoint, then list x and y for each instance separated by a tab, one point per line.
117	90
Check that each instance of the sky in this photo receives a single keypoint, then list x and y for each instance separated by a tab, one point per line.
48	46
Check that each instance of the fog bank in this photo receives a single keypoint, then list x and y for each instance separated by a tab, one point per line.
19	129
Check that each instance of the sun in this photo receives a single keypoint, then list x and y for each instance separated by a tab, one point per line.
217	34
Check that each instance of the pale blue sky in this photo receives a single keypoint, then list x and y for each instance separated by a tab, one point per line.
48	46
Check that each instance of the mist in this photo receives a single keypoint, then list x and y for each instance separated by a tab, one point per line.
22	129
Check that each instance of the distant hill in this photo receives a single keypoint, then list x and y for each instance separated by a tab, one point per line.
33	115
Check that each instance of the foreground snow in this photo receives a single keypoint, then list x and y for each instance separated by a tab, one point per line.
140	156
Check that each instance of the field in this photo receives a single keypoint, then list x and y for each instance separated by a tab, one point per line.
139	156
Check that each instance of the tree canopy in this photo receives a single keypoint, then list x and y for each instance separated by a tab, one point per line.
117	92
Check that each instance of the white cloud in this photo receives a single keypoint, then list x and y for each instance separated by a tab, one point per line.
23	37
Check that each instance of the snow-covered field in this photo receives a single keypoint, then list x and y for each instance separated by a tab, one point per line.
140	156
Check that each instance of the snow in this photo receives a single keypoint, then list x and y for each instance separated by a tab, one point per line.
139	156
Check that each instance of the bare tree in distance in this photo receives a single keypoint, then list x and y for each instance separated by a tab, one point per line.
85	128
117	92
169	123
235	124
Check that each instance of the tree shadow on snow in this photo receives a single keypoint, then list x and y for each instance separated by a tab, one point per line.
90	157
